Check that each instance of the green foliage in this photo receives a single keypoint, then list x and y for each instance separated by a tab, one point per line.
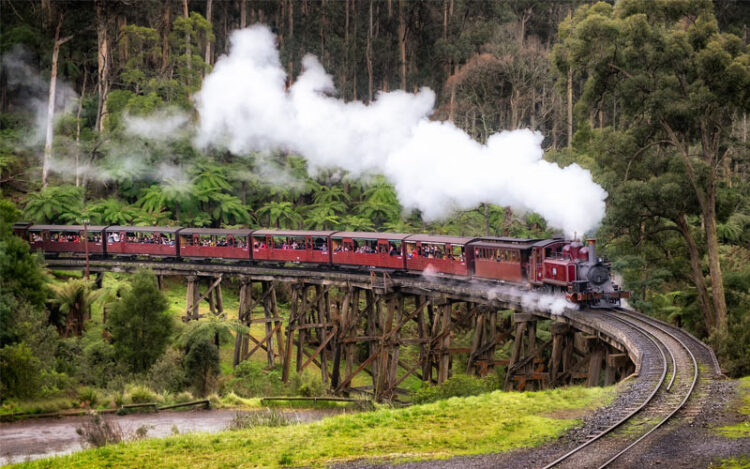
140	394
457	386
262	418
251	379
140	324
21	371
54	204
168	374
202	366
308	384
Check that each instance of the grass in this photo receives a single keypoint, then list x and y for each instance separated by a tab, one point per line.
741	462
491	422
742	429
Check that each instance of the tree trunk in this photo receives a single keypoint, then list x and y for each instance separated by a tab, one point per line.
166	22
188	49
290	46
697	272
78	125
209	5
51	101
369	56
402	42
714	265
243	14
570	107
102	63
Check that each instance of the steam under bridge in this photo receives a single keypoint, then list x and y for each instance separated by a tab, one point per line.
367	332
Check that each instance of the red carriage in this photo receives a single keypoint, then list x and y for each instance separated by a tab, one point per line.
64	238
444	254
143	241
215	243
383	250
292	246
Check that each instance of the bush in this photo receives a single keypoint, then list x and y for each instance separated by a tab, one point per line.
251	380
21	371
140	324
88	396
457	386
168	374
261	418
184	396
202	366
98	432
308	384
141	394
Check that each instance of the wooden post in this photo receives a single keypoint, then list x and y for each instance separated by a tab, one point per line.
302	333
373	320
595	366
241	340
445	356
290	333
386	328
559	333
268	315
277	323
424	346
398	308
219	299
521	320
321	293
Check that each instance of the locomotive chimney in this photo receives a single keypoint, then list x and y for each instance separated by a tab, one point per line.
592	252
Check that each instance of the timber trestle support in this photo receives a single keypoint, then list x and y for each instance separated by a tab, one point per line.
378	336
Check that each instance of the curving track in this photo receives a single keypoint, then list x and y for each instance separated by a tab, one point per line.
673	361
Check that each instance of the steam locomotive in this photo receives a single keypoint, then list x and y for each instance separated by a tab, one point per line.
555	265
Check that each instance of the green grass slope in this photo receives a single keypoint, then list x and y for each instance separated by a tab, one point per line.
492	422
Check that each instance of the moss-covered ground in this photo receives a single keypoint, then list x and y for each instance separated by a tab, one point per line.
492	422
741	429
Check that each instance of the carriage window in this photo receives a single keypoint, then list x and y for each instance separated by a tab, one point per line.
320	244
259	243
458	253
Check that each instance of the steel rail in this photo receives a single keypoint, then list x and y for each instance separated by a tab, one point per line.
617	424
684	400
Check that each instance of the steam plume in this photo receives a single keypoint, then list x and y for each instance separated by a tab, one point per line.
434	166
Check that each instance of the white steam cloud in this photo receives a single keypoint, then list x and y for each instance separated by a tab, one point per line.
533	300
164	124
435	167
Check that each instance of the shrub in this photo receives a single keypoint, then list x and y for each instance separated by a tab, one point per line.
140	324
184	396
251	379
21	371
457	386
141	394
98	432
308	384
202	366
168	374
89	396
261	418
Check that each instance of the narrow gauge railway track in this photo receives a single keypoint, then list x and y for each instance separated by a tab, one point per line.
665	352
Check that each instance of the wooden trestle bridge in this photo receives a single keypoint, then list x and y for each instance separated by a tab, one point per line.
389	327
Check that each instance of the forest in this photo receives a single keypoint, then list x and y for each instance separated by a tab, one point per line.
98	107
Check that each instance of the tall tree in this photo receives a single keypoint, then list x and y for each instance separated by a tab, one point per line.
51	100
102	61
678	80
